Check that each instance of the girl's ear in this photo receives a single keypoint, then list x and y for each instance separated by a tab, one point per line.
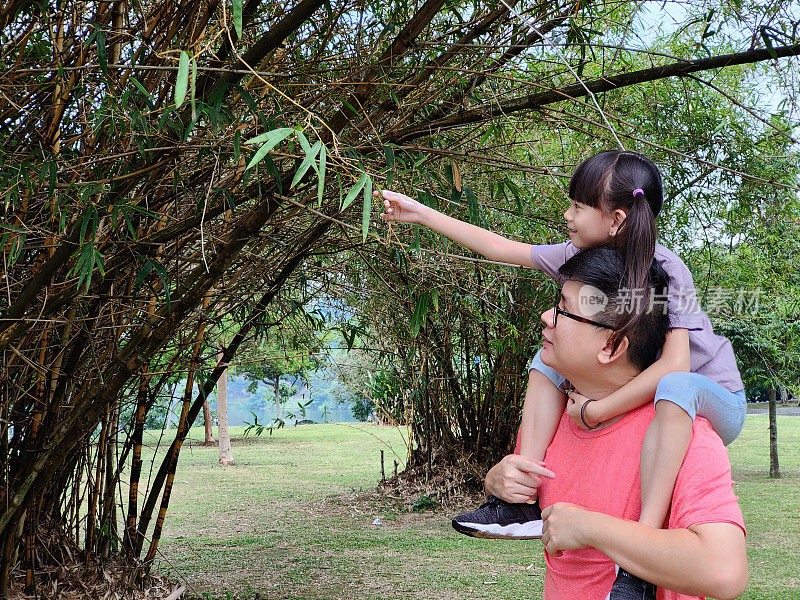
608	355
617	217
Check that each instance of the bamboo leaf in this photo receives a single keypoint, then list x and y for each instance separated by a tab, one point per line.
148	267
367	210
89	222
194	89
252	105
102	56
321	173
162	275
142	274
456	177
304	143
270	139
768	43
474	211
237	144
237	17
182	81
16	248
273	170
284	132
308	162
349	106
88	258
144	92
388	152
420	312
351	195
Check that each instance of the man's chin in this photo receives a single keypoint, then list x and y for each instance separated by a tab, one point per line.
548	356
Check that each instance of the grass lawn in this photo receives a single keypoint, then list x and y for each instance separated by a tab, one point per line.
293	519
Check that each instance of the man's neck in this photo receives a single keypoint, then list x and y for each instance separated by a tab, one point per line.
598	385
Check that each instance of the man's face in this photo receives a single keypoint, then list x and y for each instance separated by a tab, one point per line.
570	346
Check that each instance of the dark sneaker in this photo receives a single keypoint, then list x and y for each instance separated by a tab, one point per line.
498	519
631	587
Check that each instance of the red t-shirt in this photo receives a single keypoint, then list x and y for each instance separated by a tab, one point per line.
599	470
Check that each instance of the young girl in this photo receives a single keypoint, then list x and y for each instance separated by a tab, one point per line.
615	198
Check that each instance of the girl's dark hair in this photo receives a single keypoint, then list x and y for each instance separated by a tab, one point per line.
607	181
645	324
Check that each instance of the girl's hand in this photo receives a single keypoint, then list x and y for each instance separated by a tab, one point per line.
399	207
574	403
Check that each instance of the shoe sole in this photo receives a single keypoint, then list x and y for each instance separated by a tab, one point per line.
532	530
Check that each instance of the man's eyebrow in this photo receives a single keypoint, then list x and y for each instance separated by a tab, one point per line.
564	300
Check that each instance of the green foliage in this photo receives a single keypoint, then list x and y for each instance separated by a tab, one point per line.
258	428
362	408
424	503
301	411
270	140
354	191
236	13
182	81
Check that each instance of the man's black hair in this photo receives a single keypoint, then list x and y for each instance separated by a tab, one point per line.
641	315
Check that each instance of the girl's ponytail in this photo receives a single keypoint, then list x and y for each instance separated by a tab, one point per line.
636	240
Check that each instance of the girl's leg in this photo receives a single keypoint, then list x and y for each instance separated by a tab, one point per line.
663	450
541	412
544	404
679	398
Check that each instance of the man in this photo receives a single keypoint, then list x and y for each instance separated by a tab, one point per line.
591	505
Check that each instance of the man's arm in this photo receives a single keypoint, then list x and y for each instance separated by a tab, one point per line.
703	560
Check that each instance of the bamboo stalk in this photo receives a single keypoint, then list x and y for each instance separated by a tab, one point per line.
131	537
183	430
96	486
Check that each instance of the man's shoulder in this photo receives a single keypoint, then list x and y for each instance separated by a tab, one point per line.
705	439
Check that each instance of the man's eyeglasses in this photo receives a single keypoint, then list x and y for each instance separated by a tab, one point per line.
569	315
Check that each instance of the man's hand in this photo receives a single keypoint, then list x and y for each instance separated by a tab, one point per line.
516	479
399	207
574	403
564	527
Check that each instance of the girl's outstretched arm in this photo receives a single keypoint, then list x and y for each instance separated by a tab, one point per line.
640	389
399	207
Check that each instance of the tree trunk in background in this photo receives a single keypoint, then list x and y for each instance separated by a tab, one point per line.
774	467
225	453
277	386
209	424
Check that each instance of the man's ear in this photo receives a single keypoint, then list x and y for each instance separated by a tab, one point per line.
608	354
617	217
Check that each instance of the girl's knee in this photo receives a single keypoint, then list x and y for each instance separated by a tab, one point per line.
675	380
670	412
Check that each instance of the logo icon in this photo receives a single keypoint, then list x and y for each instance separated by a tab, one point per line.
591	300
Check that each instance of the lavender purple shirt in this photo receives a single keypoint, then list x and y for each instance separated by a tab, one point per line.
710	354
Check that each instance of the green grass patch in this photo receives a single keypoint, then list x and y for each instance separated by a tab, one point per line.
293	519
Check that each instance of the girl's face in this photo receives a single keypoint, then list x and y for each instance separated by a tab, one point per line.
590	227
